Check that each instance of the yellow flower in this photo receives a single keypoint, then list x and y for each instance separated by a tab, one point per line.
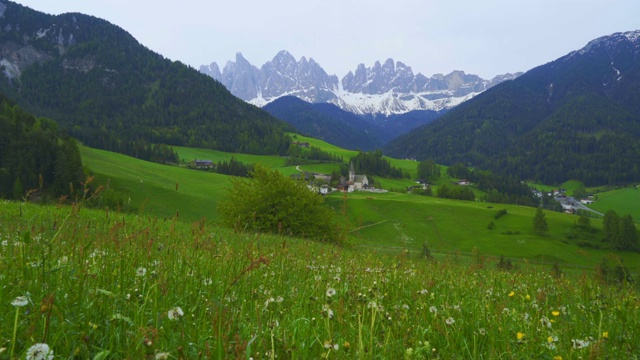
557	357
550	339
555	313
520	335
605	335
511	293
528	297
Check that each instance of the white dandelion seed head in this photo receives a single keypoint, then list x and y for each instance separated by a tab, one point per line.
579	344
279	299
20	301
331	292
162	356
39	351
424	292
450	320
141	271
433	309
405	307
175	313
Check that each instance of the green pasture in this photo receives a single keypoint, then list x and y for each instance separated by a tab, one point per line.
405	221
390	220
158	190
623	201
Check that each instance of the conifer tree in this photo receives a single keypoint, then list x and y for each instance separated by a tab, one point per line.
540	225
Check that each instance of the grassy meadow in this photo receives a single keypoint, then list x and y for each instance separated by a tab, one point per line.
378	221
94	284
624	201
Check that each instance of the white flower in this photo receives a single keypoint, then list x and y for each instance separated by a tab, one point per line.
175	313
39	351
327	310
331	292
424	292
433	309
279	299
20	301
450	321
141	271
579	344
162	356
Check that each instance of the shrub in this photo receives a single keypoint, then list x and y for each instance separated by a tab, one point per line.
274	203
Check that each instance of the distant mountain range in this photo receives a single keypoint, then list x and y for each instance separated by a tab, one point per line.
345	129
577	117
111	92
387	89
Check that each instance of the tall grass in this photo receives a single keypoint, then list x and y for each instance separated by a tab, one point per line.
107	285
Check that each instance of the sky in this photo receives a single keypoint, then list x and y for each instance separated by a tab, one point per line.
482	37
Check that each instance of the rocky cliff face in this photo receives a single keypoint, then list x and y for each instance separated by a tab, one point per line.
389	88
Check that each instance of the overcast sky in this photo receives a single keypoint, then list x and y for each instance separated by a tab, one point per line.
483	37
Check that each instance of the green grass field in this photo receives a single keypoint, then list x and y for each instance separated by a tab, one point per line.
92	284
158	190
623	201
399	221
390	220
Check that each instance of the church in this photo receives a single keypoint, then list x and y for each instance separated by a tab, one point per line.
359	181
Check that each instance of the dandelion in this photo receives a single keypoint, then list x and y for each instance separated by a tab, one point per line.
557	357
327	311
279	299
555	313
331	292
175	313
450	321
544	321
162	356
141	271
482	331
520	336
605	335
269	300
40	351
20	301
433	310
423	292
511	294
579	344
527	297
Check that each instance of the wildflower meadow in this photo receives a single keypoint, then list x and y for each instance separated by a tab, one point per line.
85	284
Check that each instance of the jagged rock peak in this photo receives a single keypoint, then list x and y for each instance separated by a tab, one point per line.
388	87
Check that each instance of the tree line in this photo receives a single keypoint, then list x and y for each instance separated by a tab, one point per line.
35	157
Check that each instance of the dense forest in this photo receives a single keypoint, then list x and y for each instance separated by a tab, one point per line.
35	157
371	163
574	118
110	92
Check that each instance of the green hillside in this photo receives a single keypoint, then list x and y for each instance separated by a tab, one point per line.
92	284
381	221
111	92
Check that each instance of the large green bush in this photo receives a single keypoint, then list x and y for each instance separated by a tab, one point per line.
273	203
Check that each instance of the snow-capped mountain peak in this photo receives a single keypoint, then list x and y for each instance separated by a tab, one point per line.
386	88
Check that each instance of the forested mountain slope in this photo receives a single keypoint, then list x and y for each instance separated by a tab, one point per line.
577	117
111	92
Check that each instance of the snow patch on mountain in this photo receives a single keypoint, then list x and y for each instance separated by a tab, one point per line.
388	88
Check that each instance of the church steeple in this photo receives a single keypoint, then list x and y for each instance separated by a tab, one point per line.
352	173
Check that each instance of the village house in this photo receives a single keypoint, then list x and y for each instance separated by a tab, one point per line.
203	164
